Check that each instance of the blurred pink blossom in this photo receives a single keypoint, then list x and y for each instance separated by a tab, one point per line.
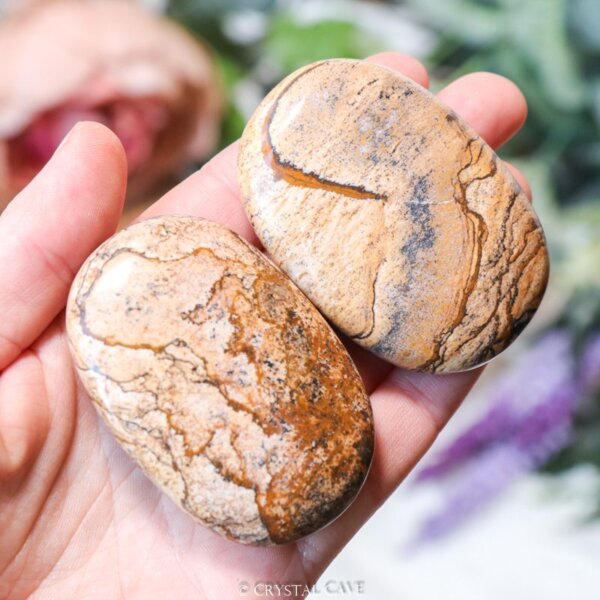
109	61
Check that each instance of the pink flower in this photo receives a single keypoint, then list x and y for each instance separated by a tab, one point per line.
109	61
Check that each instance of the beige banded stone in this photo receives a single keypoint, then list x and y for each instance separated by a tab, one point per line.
218	376
392	215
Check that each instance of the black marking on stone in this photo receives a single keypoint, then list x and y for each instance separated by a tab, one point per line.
389	342
364	87
423	236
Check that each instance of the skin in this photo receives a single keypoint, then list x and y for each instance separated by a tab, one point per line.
77	517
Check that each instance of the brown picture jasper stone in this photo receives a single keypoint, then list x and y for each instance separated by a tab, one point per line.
392	215
220	378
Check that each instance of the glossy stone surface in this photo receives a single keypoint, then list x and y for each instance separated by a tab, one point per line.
218	376
392	215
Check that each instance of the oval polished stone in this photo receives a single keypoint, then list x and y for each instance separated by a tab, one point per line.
218	376
392	215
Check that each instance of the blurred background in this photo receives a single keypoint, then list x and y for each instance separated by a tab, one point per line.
507	503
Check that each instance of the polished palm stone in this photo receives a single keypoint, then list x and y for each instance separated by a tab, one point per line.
218	376
393	216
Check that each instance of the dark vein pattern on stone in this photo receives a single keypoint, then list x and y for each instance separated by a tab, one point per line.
440	264
221	380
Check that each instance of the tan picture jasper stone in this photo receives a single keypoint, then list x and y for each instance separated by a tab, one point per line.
218	376
392	215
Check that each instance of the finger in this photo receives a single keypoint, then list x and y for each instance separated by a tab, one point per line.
33	410
409	410
493	105
373	370
51	227
402	63
23	414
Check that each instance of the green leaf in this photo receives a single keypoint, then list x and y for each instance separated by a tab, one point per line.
193	10
539	28
466	20
293	44
583	18
230	71
232	126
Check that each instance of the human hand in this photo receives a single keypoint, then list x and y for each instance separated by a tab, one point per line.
77	516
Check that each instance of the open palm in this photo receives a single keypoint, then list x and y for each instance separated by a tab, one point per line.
77	517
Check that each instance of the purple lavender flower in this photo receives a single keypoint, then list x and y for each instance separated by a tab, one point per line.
488	476
529	421
547	366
